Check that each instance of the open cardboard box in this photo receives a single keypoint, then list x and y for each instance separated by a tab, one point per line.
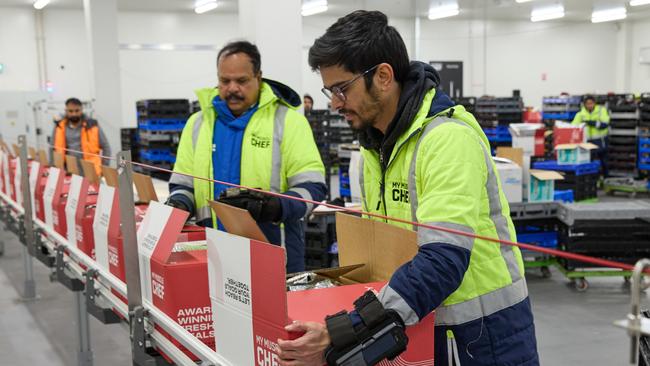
250	303
172	279
80	212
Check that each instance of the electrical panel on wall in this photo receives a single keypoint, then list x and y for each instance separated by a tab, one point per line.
451	77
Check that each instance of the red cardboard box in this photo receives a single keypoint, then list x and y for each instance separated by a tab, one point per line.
567	135
37	181
248	288
80	212
174	280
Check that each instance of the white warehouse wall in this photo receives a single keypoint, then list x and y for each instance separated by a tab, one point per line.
18	49
576	57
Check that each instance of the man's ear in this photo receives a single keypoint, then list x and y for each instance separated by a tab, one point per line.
384	76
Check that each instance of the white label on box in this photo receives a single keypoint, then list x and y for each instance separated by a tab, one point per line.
33	181
149	233
101	223
229	278
18	184
71	206
48	195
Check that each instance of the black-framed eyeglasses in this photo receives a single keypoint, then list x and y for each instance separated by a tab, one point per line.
338	90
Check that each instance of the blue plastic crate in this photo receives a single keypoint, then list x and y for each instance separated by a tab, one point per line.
545	239
579	169
644	166
162	124
562	100
564	196
498	134
559	115
164	155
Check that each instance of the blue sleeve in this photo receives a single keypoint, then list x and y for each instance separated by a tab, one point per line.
293	210
182	193
428	279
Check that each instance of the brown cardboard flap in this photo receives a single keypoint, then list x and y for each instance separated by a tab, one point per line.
42	157
32	153
144	187
585	145
58	159
335	273
111	175
16	149
238	221
383	247
89	171
71	164
515	154
546	174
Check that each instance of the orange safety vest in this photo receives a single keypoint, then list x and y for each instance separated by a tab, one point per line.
89	142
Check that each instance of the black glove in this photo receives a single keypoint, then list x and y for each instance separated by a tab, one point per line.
591	123
262	207
178	204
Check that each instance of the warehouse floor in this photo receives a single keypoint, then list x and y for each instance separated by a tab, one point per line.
572	328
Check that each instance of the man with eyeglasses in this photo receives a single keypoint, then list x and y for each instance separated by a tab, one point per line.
413	135
249	132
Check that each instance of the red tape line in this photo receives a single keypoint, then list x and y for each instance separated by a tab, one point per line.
554	252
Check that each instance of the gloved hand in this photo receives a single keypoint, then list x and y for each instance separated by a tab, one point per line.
591	123
262	207
177	204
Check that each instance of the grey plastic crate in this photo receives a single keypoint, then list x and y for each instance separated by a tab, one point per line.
533	210
569	213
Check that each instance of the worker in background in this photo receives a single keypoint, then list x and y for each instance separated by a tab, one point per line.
308	103
596	118
248	132
414	136
77	132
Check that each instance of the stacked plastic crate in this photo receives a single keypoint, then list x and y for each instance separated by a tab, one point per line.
557	108
129	137
495	115
160	123
320	235
623	132
616	231
330	131
644	134
582	179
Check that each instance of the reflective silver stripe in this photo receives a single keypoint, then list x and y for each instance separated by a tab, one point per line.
198	121
306	177
413	193
362	184
428	236
276	162
203	213
497	217
496	300
282	238
483	305
181	179
183	192
304	193
392	300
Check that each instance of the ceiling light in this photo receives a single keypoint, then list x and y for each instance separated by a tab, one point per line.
547	13
40	4
311	7
443	11
639	2
608	15
203	6
524	1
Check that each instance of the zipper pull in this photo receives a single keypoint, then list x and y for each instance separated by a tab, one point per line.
378	205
